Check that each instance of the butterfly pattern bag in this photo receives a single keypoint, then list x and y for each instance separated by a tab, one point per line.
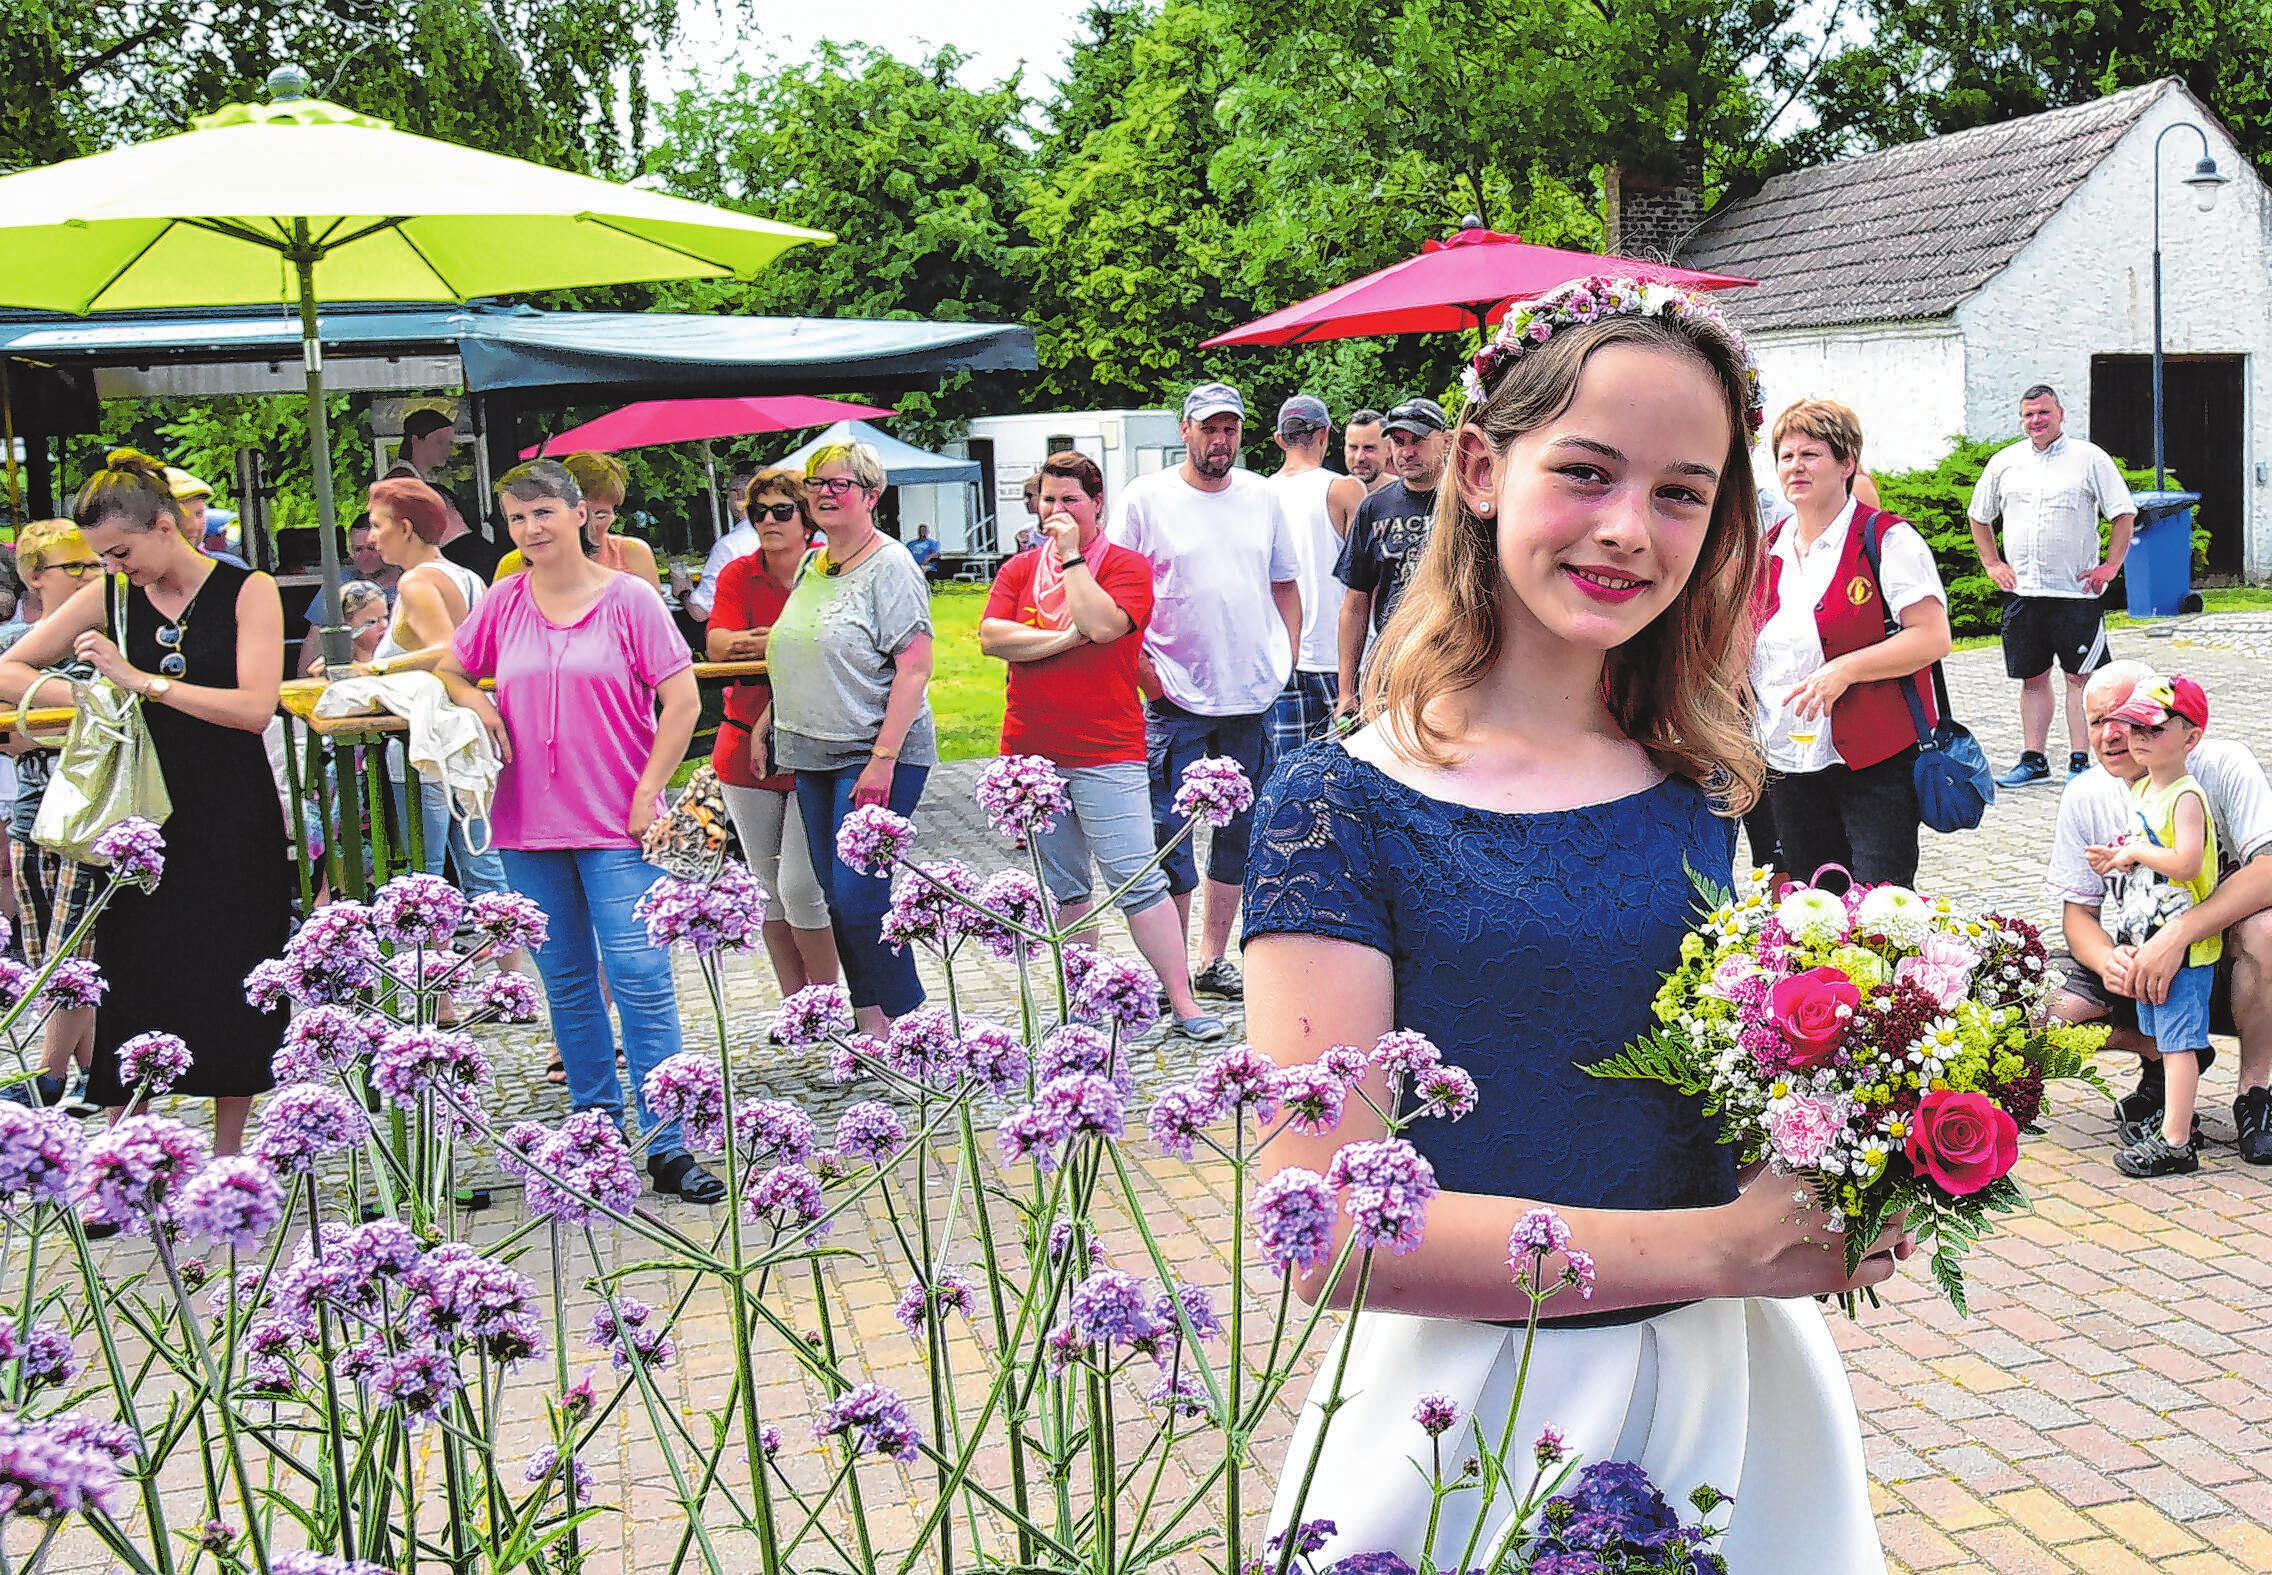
691	839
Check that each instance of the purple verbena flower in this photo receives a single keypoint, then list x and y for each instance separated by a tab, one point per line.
1436	1415
128	1173
75	985
813	1014
1198	1308
1293	1219
633	1336
1403	1053
855	1058
1031	1133
518	1143
307	1563
994	1056
235	1202
335	955
1346	1062
788	1198
1013	896
1241	1080
544	1466
325	1039
1385	1188
1022	795
508	922
691	1090
1215	791
1083	1102
135	850
417	910
304	1122
872	1420
952	1292
502	996
39	1147
419	1382
15	979
1446	1091
153	1061
870	1133
44	1354
456	1294
930	907
1551	1449
1077	1047
1538	1234
46	1473
924	1048
1314	1098
413	1061
269	985
872	837
592	1162
1179	1395
1119	992
1179	1119
1309	1537
724	913
774	1132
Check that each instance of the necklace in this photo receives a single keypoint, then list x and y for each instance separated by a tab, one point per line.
172	633
827	566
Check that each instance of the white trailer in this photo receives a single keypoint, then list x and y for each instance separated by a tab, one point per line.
1124	443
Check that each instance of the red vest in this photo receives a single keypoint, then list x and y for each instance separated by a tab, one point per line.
1870	722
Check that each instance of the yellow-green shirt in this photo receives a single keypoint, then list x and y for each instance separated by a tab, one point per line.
2157	812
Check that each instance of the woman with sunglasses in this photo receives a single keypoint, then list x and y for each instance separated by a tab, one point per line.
850	660
748	597
204	648
52	892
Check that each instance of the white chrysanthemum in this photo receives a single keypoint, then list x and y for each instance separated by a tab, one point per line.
1898	914
1812	918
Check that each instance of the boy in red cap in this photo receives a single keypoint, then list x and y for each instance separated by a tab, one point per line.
2172	848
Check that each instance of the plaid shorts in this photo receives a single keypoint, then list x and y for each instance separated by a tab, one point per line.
53	894
1302	713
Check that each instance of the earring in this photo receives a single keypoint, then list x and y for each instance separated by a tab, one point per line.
1484	508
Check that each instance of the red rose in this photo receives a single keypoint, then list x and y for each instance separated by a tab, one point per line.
1963	1141
1806	1008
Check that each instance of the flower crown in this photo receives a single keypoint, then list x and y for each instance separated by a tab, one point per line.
1532	323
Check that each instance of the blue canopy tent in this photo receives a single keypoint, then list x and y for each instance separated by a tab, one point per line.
907	465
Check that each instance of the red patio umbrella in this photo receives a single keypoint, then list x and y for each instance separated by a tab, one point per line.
653	421
1453	285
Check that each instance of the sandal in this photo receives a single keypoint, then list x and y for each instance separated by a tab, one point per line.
682	1176
556	1070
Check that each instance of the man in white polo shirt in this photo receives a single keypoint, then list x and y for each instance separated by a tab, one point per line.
2051	490
1226	621
2102	981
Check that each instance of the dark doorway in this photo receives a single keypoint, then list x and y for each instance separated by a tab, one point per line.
2201	433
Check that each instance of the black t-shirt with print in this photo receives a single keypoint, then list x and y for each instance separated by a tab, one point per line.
1383	545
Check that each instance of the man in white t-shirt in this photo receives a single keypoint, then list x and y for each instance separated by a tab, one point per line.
2104	981
1319	505
2051	490
738	542
1226	622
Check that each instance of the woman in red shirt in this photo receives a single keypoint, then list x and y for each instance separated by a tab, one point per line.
1069	616
749	596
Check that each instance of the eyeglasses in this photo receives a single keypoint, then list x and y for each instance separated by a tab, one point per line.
833	486
173	664
77	571
774	511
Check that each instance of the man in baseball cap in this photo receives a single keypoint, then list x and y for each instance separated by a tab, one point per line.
1319	505
1417	418
193	495
1226	623
1384	541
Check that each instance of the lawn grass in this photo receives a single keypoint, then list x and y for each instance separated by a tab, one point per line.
966	687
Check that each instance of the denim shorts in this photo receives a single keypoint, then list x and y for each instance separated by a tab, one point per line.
1173	739
1111	822
2180	1023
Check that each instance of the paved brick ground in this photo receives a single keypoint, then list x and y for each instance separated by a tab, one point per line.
2104	1409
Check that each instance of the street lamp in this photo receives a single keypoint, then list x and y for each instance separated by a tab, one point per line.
2204	180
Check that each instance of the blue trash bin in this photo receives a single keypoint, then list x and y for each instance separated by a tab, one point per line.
2158	574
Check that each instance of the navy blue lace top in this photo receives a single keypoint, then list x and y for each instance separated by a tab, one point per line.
1523	945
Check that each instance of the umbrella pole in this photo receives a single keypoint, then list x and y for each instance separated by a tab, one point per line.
8	421
338	644
717	512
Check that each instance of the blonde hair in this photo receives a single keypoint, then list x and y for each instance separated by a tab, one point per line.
601	477
1679	688
42	540
1826	421
866	465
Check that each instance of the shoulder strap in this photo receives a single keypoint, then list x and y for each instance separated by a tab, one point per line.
1873	529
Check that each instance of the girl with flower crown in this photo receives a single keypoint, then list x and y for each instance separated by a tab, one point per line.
1557	733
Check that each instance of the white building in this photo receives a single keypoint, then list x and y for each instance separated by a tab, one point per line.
1928	285
1124	443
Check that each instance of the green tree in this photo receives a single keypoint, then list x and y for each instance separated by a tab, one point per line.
1927	67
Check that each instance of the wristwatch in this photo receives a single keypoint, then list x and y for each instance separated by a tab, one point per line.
156	688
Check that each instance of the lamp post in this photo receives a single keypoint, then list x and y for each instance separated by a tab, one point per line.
2204	180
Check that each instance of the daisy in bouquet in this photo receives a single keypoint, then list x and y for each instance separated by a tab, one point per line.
1888	1047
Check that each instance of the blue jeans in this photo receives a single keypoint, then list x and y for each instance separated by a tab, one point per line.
1173	739
477	872
874	974
588	895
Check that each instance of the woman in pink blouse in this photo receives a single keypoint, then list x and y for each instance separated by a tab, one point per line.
584	659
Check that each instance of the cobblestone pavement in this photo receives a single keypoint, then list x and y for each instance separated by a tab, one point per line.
2103	1410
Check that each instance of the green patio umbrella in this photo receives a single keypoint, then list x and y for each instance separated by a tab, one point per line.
299	200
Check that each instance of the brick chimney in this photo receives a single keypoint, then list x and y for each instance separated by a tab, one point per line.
1649	217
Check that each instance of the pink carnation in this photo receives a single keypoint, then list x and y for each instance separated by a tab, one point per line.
1803	1130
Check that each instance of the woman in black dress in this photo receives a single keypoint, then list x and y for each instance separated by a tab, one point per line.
205	650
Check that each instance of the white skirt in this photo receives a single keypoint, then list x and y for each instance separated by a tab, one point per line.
1748	1396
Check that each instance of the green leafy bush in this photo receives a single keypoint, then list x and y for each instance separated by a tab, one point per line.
1935	501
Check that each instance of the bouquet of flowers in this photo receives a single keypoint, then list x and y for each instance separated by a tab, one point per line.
1889	1046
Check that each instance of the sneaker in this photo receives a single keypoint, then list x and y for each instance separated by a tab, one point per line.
2155	1155
2032	769
1220	977
1200	1028
2078	763
2129	1134
2252	1119
2142	1103
76	1103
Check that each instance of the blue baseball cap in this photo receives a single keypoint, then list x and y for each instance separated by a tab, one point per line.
1302	414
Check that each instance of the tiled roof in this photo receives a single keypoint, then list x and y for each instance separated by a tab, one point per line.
1909	232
